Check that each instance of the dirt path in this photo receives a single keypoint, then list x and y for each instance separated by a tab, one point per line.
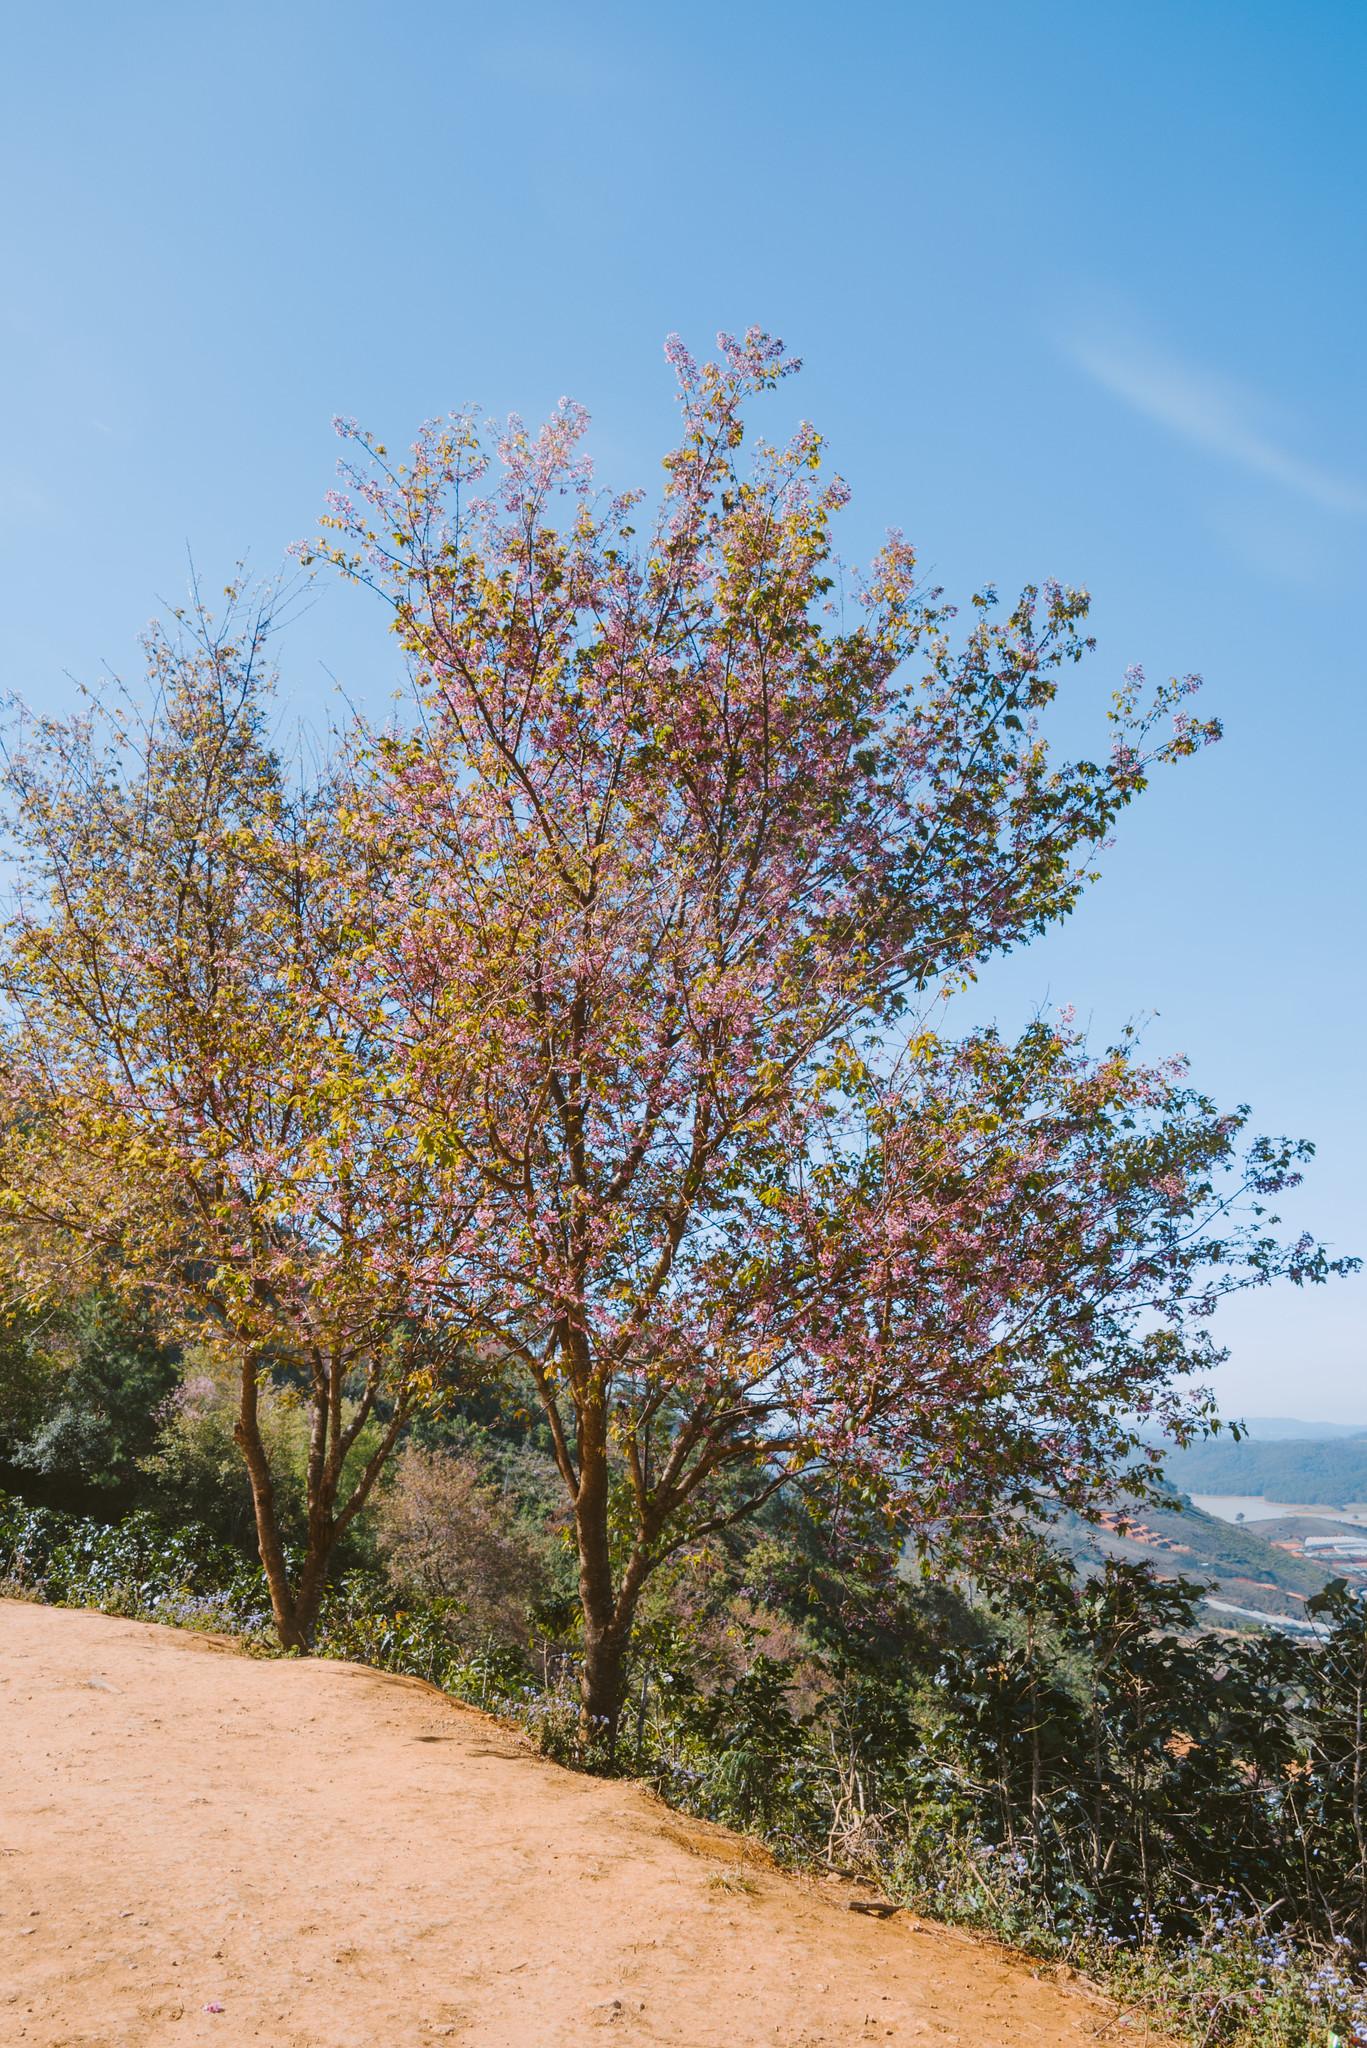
200	1847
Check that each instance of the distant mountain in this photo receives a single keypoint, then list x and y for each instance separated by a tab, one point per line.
1309	1472
1269	1428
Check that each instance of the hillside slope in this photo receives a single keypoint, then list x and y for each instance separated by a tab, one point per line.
200	1847
1238	1562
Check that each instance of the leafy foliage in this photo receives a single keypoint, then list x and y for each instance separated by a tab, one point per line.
141	1567
83	1388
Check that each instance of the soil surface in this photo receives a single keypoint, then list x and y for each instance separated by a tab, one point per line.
198	1846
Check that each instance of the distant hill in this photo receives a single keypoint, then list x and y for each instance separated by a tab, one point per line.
1315	1472
1266	1428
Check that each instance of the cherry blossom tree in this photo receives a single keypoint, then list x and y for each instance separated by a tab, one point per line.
691	833
195	1111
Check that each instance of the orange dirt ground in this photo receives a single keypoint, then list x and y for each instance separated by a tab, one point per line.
202	1847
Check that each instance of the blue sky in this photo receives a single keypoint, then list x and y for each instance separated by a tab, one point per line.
1081	290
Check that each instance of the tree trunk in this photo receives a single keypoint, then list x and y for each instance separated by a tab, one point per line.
601	1679
247	1433
296	1610
324	1472
605	1628
295	1613
313	1578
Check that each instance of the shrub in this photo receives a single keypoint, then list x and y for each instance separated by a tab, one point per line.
447	1535
140	1567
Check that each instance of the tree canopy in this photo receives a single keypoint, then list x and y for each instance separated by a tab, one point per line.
584	1029
194	1114
691	831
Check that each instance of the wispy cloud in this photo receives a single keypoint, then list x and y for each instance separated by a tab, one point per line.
25	503
1208	411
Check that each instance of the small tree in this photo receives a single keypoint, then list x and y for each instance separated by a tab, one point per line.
193	1106
691	831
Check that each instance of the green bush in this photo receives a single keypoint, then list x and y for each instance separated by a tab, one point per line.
141	1567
